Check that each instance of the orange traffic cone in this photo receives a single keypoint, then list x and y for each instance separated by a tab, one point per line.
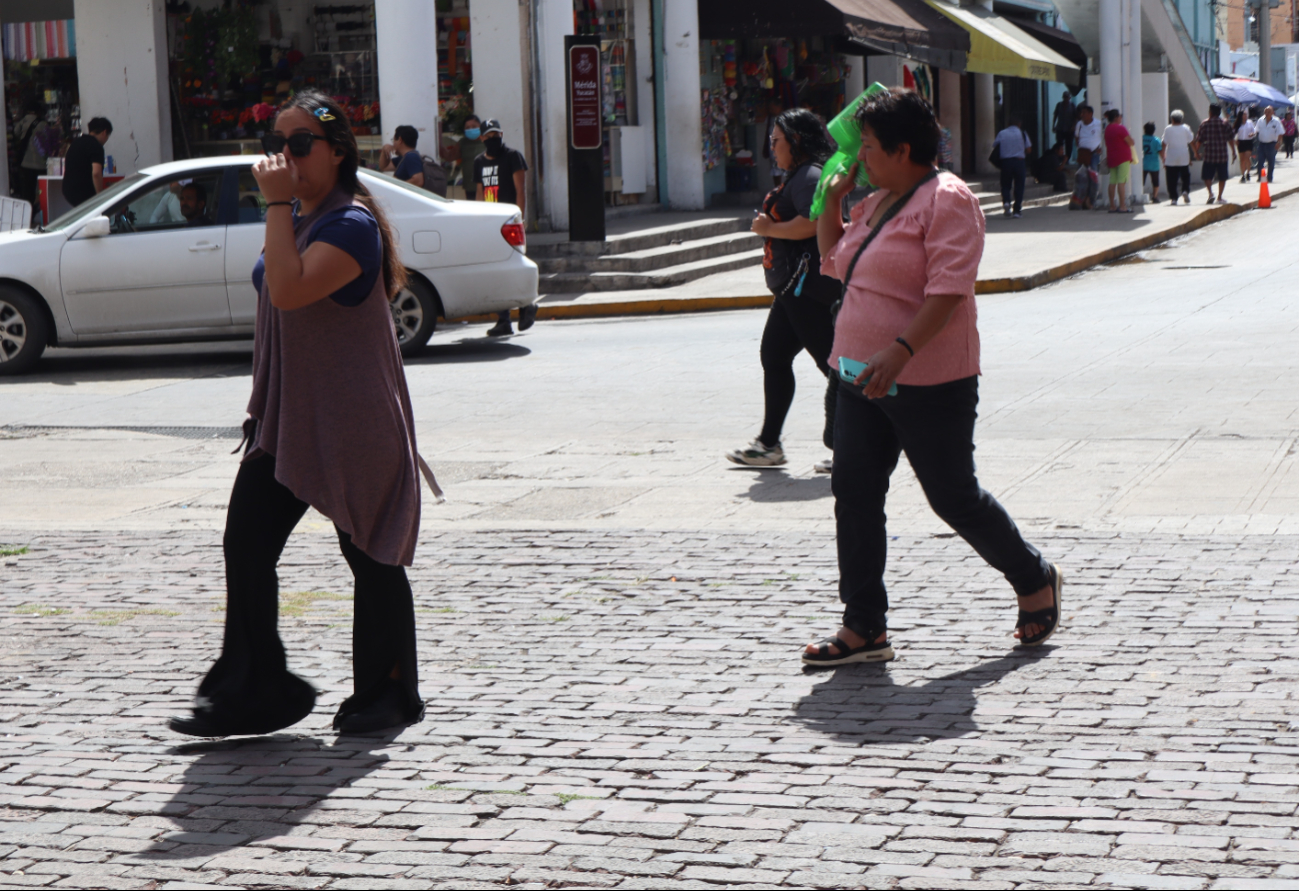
1264	198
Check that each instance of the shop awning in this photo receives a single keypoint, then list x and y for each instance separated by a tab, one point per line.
892	27
999	47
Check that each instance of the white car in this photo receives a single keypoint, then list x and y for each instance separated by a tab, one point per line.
166	255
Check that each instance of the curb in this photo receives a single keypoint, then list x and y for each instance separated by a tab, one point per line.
665	306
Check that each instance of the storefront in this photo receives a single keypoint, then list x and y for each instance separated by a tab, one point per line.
42	110
231	65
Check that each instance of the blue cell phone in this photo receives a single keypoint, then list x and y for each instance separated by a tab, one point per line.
849	369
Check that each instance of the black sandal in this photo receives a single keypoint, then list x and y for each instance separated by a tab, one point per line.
1048	617
867	652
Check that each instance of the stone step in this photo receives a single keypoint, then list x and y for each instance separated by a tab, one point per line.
645	239
571	282
649	259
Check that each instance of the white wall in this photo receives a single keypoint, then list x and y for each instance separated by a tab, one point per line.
122	76
682	98
644	43
884	70
554	21
1154	101
855	82
408	71
496	54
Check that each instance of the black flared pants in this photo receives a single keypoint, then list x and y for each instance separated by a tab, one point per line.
252	675
794	324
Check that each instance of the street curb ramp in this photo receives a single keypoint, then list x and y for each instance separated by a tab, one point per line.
665	305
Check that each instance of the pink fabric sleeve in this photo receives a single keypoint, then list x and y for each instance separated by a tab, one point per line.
953	244
828	266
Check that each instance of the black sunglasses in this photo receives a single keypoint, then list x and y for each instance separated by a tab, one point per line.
300	144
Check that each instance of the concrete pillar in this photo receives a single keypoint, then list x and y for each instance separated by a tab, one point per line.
122	76
408	72
1132	107
554	22
496	53
4	146
949	111
682	98
985	114
1111	60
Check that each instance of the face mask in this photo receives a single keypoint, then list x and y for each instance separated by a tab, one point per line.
472	133
493	144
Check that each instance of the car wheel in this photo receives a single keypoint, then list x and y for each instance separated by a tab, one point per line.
24	331
415	313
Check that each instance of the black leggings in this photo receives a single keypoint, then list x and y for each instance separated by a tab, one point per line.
793	325
252	675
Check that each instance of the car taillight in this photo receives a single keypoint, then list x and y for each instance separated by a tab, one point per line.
513	233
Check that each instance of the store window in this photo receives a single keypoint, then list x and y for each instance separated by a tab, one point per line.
233	64
455	98
40	89
613	21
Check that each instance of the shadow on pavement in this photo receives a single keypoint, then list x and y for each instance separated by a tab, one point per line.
224	359
471	349
773	485
862	704
265	784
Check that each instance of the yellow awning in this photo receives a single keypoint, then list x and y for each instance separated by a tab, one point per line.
998	47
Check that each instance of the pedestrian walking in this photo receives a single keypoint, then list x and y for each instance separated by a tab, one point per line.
1089	133
83	165
1290	131
1245	132
1014	146
500	175
909	258
800	317
1267	132
1118	156
400	156
329	428
1176	154
1063	121
1212	142
1152	148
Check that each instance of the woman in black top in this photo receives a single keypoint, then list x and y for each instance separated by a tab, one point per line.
800	315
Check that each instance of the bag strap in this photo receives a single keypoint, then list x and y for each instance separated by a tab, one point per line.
888	215
430	478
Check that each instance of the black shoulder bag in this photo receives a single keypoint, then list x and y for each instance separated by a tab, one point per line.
888	215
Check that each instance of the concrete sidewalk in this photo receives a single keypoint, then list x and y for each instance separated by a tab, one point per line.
1048	244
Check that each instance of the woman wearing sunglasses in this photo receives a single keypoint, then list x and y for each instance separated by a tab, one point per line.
330	428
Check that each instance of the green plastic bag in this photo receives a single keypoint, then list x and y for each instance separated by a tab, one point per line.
847	135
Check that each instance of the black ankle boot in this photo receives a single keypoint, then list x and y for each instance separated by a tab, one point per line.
388	709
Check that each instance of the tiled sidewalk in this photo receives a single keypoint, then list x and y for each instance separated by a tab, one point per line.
627	710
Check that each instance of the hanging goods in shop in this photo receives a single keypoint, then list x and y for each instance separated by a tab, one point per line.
847	135
729	73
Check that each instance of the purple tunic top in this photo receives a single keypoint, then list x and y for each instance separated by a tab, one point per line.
331	404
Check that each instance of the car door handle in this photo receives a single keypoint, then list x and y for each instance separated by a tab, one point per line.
203	246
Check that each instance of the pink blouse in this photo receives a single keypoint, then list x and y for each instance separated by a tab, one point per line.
932	246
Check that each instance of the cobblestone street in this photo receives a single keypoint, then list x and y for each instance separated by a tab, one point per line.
626	709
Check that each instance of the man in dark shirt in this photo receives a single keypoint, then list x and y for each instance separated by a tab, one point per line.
193	204
500	175
1214	138
410	166
83	166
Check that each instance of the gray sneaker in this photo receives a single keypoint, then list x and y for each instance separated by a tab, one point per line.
755	454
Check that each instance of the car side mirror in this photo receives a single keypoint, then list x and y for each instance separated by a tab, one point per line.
97	227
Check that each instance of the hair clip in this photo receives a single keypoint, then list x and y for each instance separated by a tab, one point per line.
322	114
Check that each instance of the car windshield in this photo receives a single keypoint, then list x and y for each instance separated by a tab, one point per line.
393	181
95	205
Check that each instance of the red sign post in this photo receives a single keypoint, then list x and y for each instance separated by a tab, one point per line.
586	128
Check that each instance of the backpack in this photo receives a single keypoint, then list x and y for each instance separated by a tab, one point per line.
435	176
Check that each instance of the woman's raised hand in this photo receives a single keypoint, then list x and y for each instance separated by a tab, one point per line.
761	224
277	177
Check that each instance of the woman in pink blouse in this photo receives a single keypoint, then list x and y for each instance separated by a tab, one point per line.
909	313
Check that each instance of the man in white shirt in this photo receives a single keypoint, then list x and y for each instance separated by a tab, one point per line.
1177	156
1089	133
1267	131
1014	146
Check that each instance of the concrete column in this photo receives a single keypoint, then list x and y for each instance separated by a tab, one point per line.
408	72
122	76
949	111
682	98
985	115
1111	61
1132	108
496	53
4	146
554	22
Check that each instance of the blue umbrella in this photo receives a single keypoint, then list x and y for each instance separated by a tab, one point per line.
1241	91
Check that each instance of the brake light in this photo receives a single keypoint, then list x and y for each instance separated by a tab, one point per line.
513	233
